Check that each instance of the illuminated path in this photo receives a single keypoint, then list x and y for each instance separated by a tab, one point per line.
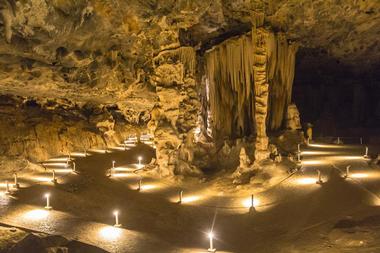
298	208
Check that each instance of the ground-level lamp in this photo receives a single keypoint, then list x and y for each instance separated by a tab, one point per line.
319	181
139	187
338	141
116	214
299	157
74	167
366	152
16	184
211	238
180	196
140	159
252	208
299	148
48	206
347	171
53	179
7	190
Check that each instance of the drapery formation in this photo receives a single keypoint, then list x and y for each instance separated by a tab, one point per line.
233	91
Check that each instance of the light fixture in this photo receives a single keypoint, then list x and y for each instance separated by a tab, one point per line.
47	196
299	148
347	171
252	208
140	185
116	214
366	152
16	184
7	191
54	179
180	196
140	159
74	167
113	164
211	238
319	181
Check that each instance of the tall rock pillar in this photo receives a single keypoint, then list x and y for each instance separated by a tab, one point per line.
261	87
176	112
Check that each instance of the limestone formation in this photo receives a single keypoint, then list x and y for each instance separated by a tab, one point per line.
178	109
293	121
244	166
249	79
108	68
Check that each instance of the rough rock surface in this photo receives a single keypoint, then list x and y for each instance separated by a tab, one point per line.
13	240
112	57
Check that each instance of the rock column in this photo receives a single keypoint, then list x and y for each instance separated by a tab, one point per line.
176	111
261	84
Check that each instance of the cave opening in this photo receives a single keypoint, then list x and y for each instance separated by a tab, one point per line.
337	97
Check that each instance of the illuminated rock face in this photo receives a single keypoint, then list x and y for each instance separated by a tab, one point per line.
39	129
149	57
250	81
178	107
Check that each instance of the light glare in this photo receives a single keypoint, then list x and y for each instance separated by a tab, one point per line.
37	214
110	233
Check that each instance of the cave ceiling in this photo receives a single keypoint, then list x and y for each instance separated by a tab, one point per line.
102	42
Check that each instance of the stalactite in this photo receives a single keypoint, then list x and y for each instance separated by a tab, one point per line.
232	87
230	75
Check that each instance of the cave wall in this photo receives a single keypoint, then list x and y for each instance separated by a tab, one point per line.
338	98
36	130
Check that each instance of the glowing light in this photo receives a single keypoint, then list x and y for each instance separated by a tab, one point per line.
110	233
140	159
324	145
79	154
128	169
313	162
211	237
317	153
63	170
119	175
55	164
359	175
305	181
190	199
248	202
100	151
148	187
58	159
42	179
47	196
37	214
116	214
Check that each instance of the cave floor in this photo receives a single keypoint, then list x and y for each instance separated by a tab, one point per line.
339	215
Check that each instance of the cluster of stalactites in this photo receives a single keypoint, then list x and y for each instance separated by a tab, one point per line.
281	76
230	75
231	83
